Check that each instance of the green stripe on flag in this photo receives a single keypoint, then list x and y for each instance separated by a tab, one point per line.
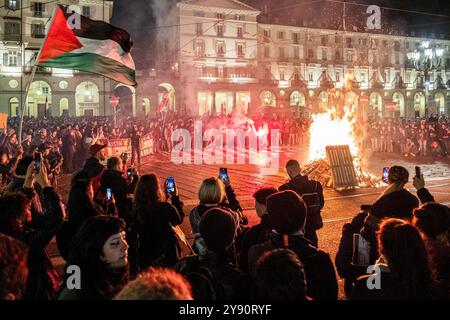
93	63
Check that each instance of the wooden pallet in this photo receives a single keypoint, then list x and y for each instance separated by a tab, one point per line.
342	168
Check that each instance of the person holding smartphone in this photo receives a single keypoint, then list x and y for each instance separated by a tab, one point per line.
121	187
155	219
215	192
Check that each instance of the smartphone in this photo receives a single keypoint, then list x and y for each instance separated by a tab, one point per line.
385	174
129	172
418	173
108	194
170	185
223	174
37	161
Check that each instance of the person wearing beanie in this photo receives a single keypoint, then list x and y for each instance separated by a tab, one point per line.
260	232
213	274
93	165
287	214
394	202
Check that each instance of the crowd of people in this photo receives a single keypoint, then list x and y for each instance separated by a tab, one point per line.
122	231
69	138
410	138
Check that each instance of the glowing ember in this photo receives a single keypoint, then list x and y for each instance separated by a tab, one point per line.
330	129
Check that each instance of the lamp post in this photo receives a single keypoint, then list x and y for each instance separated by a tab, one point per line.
426	59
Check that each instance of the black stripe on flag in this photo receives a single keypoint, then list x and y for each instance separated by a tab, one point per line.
99	30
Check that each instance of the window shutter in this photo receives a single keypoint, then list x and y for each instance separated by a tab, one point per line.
19	59
5	59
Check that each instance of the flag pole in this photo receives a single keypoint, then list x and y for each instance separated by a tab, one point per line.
24	101
33	72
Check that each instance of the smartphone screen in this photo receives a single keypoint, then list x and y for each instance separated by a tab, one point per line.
418	173
109	193
129	172
385	174
223	174
170	184
37	161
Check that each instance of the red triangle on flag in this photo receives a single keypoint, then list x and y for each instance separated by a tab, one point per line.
60	38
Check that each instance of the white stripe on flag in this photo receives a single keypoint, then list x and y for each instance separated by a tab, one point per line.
107	48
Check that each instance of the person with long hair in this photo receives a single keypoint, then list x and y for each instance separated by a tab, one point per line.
80	206
154	220
100	251
403	267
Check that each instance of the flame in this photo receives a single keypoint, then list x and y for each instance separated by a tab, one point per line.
332	129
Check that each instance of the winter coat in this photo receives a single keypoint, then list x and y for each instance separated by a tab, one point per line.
43	279
213	277
231	204
94	169
321	279
302	185
121	188
255	235
157	242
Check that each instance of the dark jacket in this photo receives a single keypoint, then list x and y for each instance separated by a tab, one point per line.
255	235
398	204
121	188
43	280
439	253
75	220
157	242
302	185
214	277
94	169
321	279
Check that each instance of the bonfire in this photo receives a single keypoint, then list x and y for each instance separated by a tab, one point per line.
334	129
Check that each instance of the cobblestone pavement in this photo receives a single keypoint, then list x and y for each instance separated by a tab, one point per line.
340	206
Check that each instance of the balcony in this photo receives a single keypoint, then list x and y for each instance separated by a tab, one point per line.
38	14
11	37
38	35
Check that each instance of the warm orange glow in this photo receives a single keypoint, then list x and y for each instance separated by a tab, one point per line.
330	129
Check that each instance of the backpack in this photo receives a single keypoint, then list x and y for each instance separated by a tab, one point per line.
205	286
312	201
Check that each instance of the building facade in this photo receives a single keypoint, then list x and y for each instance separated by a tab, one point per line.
218	58
53	92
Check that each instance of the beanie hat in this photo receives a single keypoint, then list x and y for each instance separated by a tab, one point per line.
398	174
287	212
218	228
94	149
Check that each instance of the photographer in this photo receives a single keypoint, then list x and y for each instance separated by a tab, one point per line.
52	162
214	192
122	187
34	230
155	219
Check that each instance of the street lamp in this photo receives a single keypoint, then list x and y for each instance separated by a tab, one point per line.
426	59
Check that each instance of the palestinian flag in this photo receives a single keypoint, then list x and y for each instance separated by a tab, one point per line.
77	43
